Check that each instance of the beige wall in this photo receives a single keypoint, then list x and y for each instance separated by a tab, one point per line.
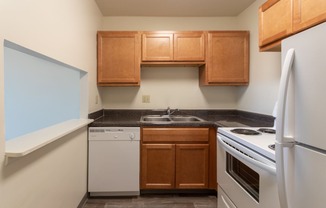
178	87
54	176
265	69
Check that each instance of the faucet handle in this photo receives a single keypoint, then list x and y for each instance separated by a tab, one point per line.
168	110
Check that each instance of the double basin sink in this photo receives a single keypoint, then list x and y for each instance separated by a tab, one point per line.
170	119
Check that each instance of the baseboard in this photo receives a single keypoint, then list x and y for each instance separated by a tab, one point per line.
83	201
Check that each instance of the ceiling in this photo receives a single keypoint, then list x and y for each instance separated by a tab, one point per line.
173	8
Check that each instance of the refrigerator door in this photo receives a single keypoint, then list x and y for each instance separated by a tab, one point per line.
301	139
306	99
305	177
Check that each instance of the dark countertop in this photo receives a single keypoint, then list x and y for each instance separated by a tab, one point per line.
213	118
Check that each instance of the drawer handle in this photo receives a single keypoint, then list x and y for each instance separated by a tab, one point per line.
224	202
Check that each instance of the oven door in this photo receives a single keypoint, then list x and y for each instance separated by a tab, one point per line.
245	176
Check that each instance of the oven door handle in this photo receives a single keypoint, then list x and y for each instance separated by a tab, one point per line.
255	162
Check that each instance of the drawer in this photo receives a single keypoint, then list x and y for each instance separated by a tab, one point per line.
175	134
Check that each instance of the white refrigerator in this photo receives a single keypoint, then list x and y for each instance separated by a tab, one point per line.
301	121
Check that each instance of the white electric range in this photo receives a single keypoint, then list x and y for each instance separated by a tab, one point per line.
259	139
246	168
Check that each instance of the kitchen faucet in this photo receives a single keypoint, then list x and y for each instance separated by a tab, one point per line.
169	111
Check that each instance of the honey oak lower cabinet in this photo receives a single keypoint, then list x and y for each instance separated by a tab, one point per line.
118	58
178	158
227	59
191	166
158	166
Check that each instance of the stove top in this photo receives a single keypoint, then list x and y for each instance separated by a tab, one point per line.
258	142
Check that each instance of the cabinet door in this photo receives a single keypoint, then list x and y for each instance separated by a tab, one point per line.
157	47
308	13
192	166
227	61
118	58
189	46
158	166
275	21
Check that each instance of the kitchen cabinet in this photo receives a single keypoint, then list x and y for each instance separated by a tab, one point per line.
118	58
275	22
158	169
227	59
178	158
308	13
173	46
157	46
189	46
191	166
279	19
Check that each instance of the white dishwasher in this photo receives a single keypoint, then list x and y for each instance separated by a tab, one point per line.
113	164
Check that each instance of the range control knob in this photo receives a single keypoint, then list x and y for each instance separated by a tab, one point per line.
131	136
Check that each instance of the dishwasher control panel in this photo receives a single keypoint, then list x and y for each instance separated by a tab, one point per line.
114	133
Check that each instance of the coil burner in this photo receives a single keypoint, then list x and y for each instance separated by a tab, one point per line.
267	130
245	131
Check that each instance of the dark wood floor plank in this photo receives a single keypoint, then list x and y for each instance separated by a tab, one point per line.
153	201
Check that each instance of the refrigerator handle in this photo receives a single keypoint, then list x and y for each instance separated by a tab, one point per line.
282	95
281	140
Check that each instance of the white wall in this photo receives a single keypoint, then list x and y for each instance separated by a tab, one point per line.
265	69
178	87
54	176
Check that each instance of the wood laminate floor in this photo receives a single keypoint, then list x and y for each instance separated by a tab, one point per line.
153	201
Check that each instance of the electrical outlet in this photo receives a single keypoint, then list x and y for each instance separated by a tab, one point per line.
146	98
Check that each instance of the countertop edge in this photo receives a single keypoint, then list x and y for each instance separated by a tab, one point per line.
213	118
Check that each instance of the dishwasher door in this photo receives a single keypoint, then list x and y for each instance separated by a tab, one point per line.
113	166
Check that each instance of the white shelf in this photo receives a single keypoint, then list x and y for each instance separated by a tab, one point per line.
23	145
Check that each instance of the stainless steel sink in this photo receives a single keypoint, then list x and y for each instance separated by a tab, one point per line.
170	119
186	119
155	119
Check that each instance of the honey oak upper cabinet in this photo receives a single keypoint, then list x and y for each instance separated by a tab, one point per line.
118	58
308	13
227	59
157	46
189	46
275	21
173	46
279	19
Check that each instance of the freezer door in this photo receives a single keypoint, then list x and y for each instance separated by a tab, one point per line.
306	101
305	177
